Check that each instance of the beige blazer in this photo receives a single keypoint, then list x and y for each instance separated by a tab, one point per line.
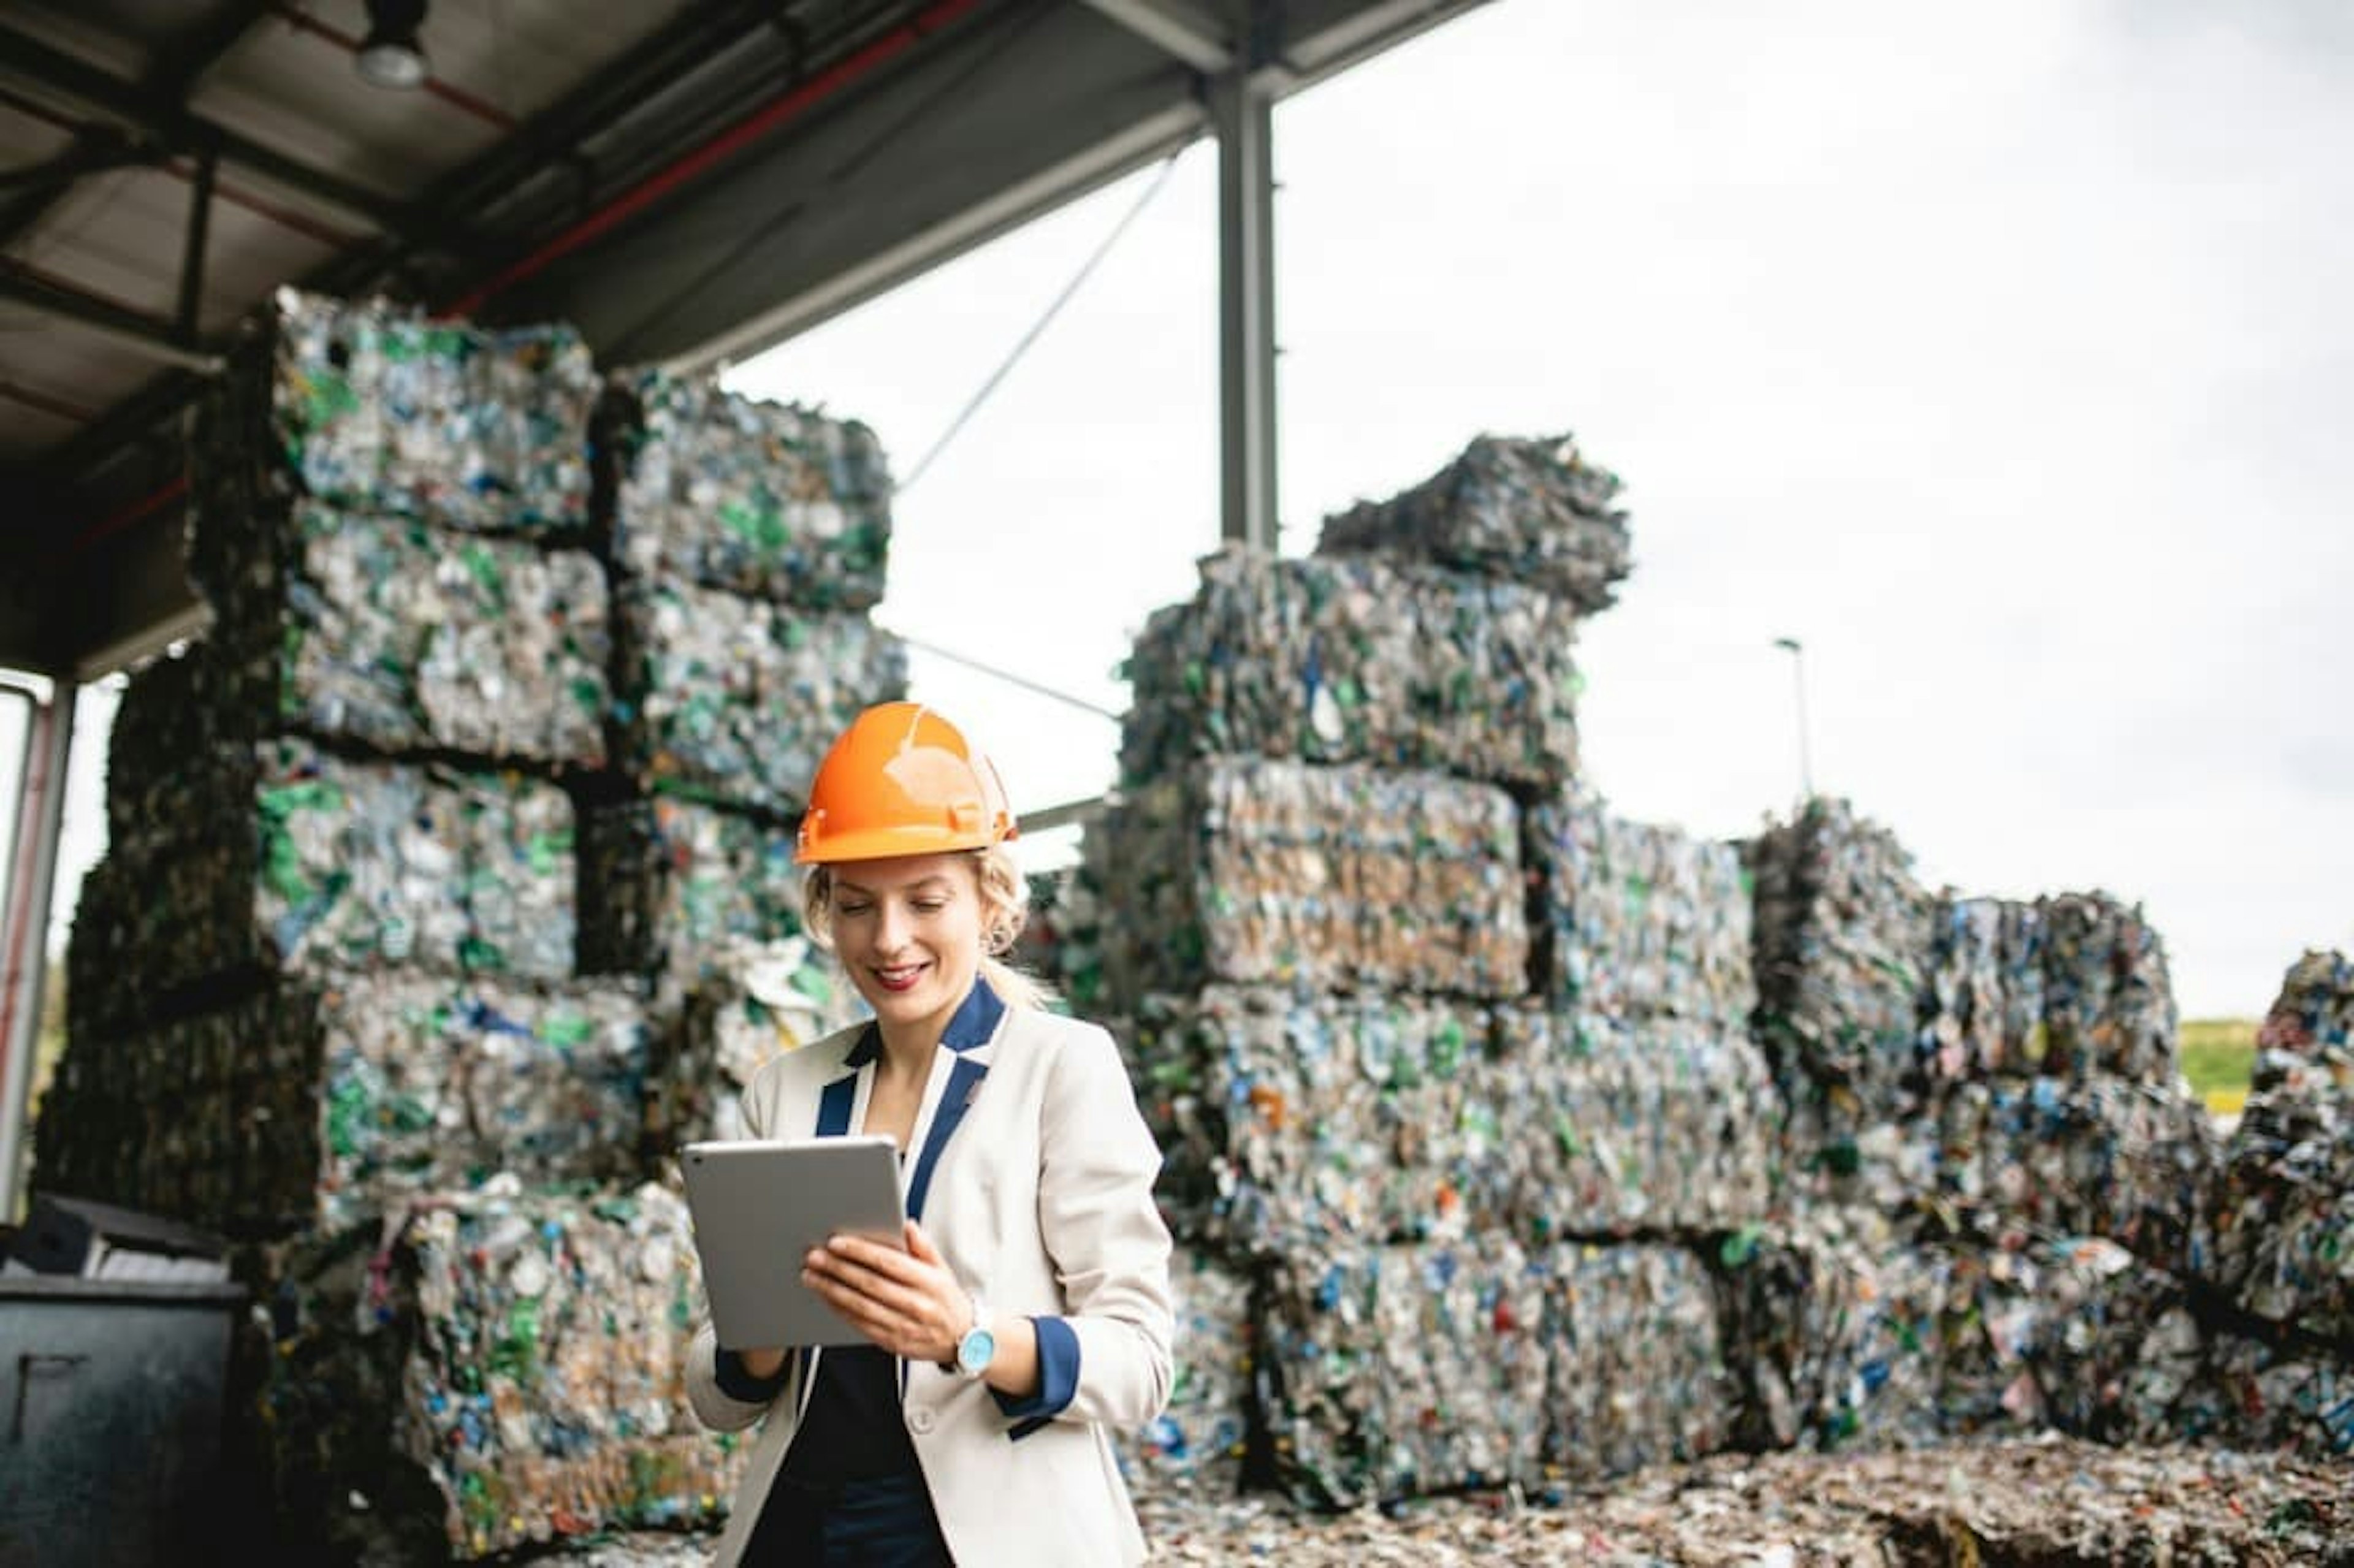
1032	1172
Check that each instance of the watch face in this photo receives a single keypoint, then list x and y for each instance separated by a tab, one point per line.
974	1351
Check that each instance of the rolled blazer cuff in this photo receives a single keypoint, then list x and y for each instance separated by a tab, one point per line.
736	1382
1058	1378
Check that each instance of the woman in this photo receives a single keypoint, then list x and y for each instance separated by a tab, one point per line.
1030	1312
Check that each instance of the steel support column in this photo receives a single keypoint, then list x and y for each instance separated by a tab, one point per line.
25	921
1243	115
189	322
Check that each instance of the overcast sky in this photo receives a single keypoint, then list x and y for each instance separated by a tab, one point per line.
2003	355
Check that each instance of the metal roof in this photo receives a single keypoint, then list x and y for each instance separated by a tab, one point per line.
685	182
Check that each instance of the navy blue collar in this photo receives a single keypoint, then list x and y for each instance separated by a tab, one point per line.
974	1021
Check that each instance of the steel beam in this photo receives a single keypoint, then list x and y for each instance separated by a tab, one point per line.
1099	165
56	72
1369	31
146	333
1176	28
1243	115
25	923
552	137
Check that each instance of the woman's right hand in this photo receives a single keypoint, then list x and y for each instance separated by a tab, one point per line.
762	1363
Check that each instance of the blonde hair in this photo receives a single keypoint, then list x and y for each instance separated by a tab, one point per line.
1004	909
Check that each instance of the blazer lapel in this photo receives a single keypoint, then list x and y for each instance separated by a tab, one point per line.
837	1103
965	1073
964	1053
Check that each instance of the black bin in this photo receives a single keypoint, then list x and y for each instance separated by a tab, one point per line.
111	1396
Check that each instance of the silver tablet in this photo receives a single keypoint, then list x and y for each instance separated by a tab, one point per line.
759	1206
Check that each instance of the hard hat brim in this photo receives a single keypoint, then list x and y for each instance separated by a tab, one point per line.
885	844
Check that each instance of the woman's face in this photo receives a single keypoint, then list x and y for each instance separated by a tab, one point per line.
909	931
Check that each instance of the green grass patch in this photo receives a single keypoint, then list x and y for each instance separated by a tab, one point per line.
2219	1055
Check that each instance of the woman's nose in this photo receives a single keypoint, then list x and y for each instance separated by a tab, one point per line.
890	926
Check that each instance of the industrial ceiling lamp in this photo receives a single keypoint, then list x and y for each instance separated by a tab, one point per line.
391	55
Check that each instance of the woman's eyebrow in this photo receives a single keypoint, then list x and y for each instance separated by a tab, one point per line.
928	885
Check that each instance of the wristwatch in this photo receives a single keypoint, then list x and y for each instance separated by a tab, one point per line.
974	1351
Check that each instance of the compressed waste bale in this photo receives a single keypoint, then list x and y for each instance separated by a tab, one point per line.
2045	1334
2073	985
2274	1394
1831	1331
2108	1002
2267	1390
2279	1237
678	883
165	1143
1839	1149
1354	659
2280	1241
1614	1126
1637	1375
164	717
1057	925
1527	511
733	701
486	1372
1292	1121
377	408
2313	1015
405	636
1843	935
1641	919
1257	872
1066	933
1195	1450
320	1098
1407	1369
1986	990
752	1000
2098	1157
276	857
696	484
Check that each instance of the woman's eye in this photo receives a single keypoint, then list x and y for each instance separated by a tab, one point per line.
930	906
851	909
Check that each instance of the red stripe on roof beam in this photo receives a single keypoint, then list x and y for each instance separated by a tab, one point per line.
162	495
719	148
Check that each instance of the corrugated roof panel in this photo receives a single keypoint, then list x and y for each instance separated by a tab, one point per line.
296	92
118	237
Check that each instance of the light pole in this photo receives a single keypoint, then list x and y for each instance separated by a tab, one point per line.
1799	683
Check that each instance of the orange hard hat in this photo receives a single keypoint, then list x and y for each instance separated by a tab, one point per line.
902	780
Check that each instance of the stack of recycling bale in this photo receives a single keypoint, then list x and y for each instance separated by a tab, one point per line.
342	989
1985	1090
340	870
2275	1367
1445	1060
747	541
325	976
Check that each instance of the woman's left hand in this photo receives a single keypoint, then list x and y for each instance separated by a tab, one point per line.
904	1302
